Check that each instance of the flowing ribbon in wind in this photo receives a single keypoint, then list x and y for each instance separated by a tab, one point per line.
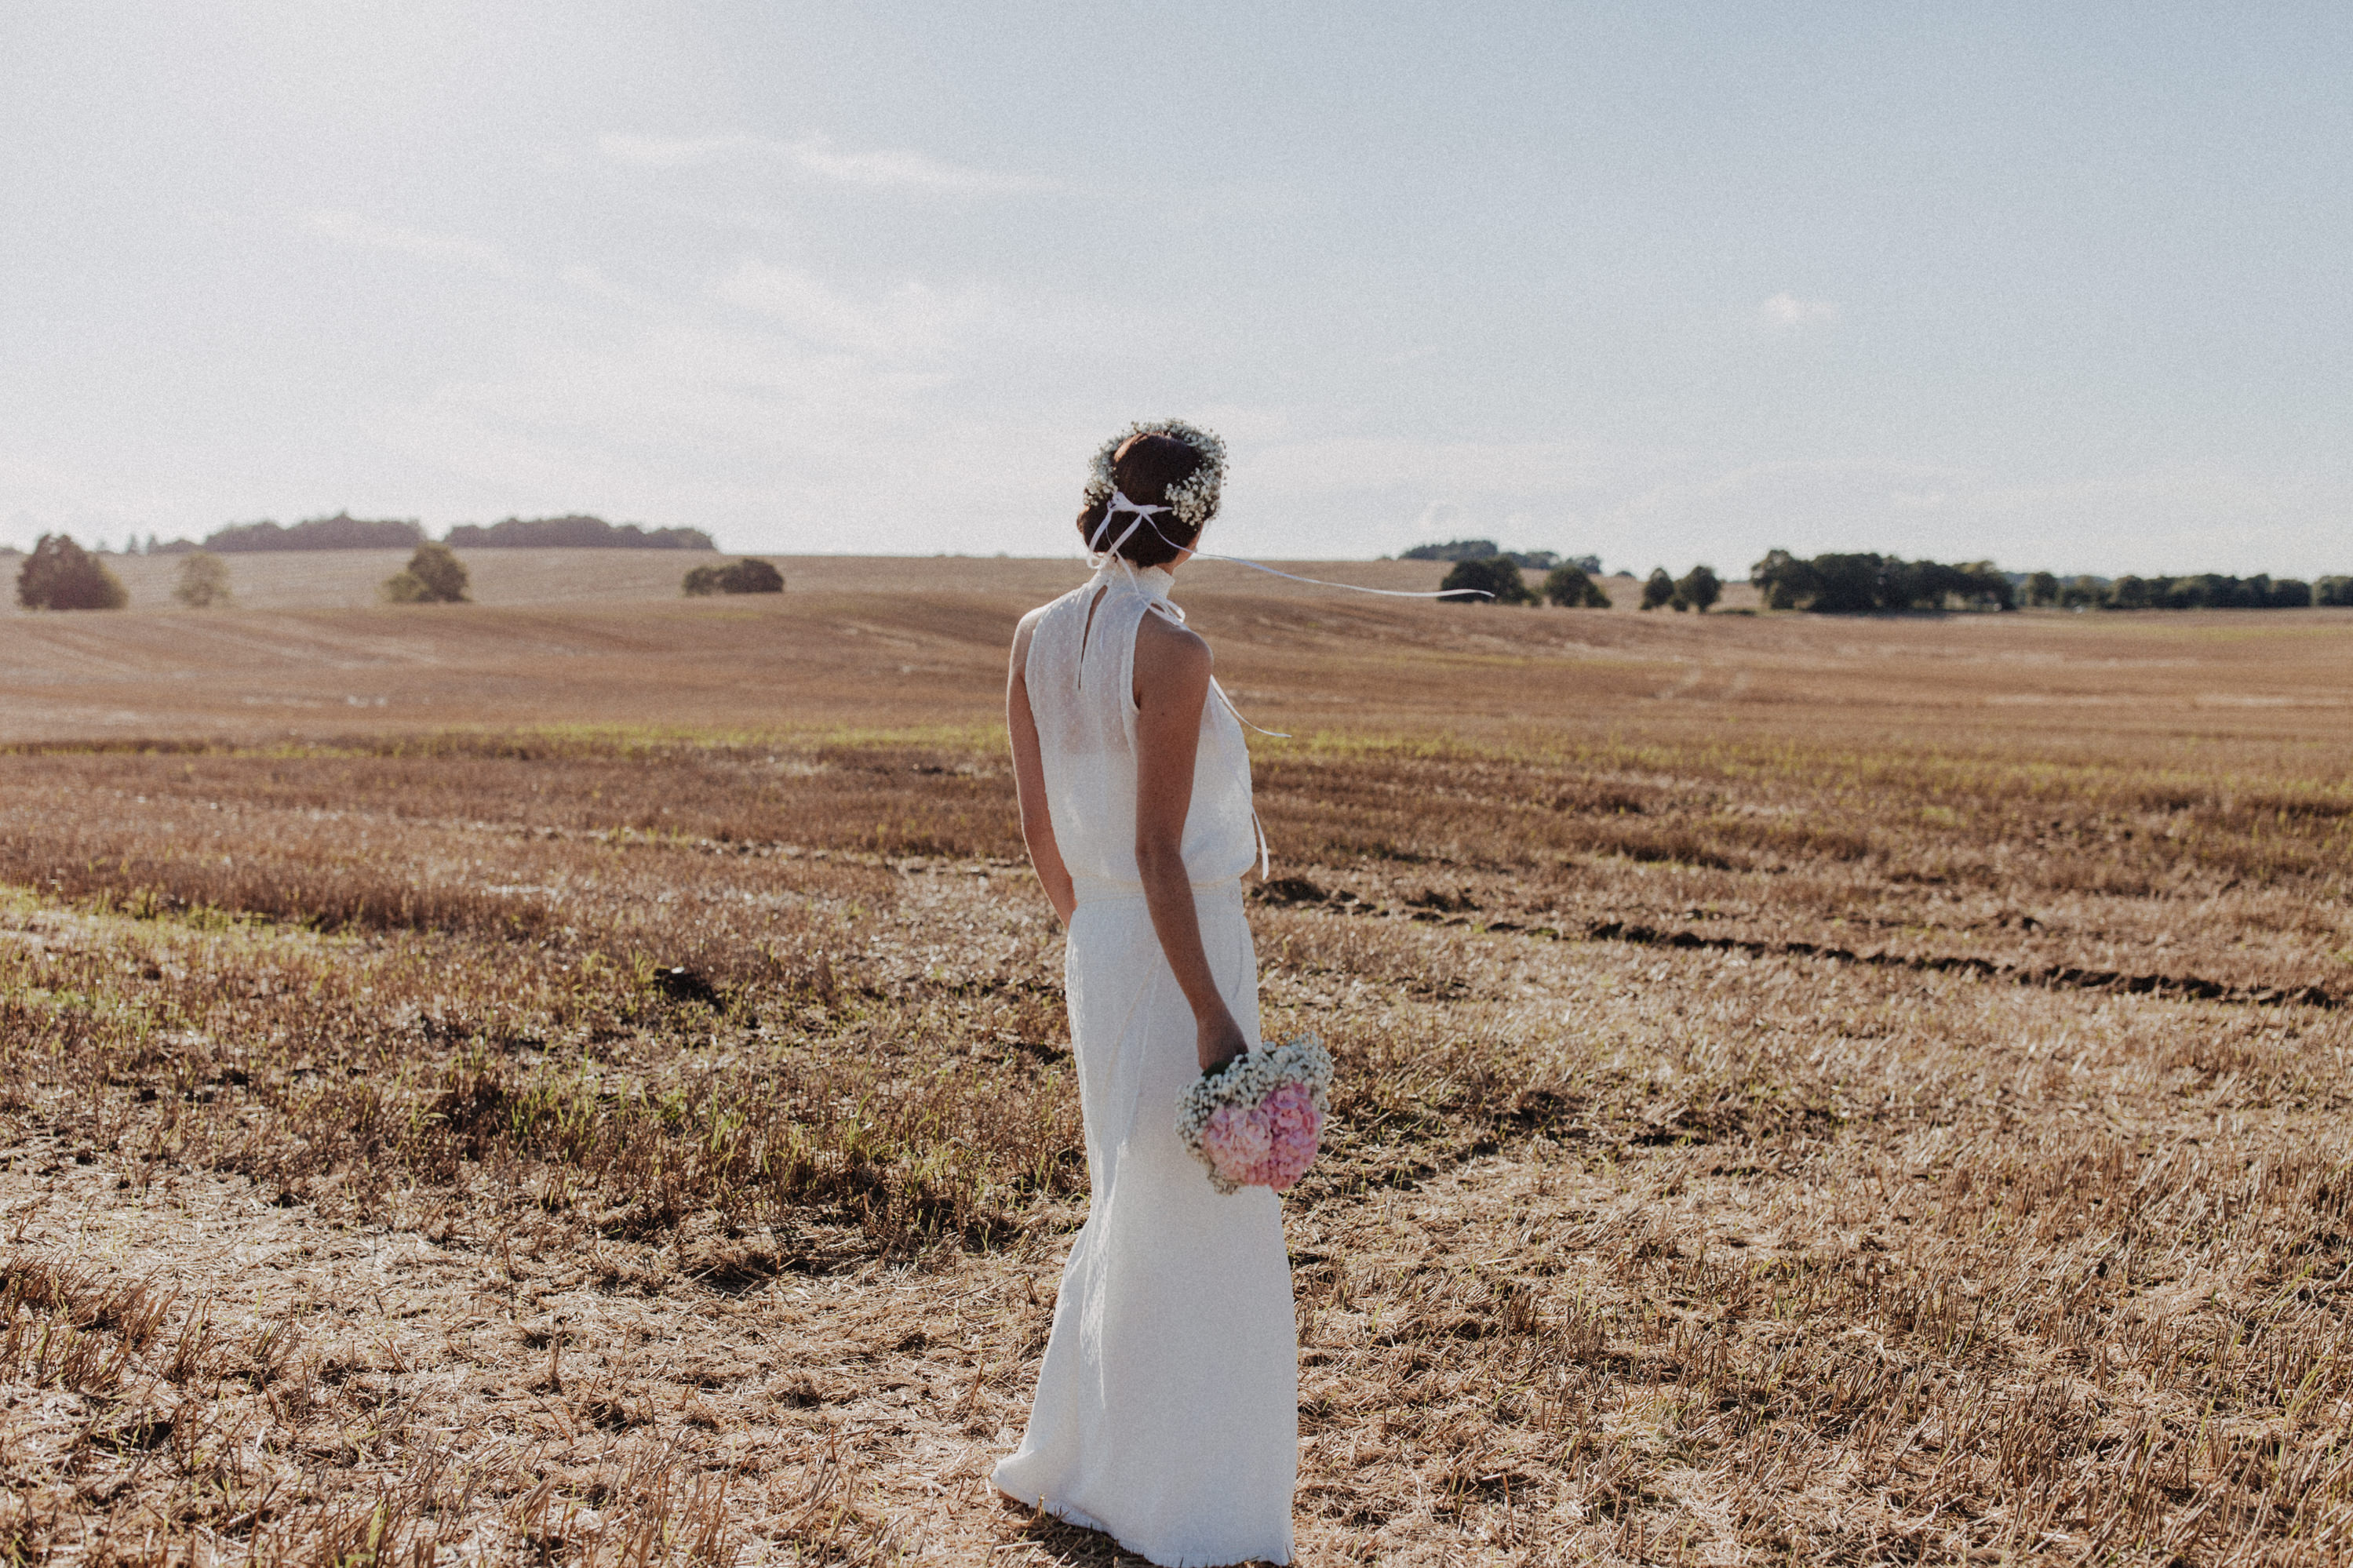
1352	587
1144	514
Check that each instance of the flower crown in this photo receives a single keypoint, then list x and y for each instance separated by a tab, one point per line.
1192	503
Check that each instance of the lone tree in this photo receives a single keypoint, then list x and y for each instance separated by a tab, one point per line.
1498	575
61	575
749	575
2041	588
1572	588
1658	589
434	576
1699	588
203	582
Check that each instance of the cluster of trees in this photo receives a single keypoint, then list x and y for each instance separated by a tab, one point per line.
1696	590
1497	577
1856	584
1571	585
434	575
575	532
1460	550
61	575
2207	591
340	532
745	576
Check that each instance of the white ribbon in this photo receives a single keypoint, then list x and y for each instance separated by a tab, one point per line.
1144	514
1112	507
1352	587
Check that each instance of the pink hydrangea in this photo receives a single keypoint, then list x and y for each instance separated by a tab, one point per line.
1256	1121
1270	1145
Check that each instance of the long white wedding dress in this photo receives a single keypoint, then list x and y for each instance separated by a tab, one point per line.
1166	1412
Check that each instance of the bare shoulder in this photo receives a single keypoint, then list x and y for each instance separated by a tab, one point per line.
1172	665
1170	648
1027	629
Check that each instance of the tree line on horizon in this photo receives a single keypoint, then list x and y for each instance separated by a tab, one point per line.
344	531
1866	583
1858	584
2206	590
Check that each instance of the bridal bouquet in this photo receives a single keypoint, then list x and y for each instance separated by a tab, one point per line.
1254	1121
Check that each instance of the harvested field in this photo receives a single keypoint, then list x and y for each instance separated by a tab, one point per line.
1847	1091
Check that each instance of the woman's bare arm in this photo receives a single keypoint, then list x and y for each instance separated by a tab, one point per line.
1172	683
1029	779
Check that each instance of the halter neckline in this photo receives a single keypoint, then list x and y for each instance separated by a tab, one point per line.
1153	582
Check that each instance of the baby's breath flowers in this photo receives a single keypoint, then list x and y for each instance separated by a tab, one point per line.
1256	1122
1192	503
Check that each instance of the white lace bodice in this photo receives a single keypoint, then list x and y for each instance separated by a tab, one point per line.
1081	685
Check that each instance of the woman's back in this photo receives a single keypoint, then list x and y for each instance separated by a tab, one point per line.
1080	680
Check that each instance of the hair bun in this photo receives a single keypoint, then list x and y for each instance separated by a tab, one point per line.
1178	466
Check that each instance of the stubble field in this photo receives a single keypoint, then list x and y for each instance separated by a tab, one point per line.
587	1081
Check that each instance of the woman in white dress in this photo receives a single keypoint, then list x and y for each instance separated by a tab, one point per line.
1166	1411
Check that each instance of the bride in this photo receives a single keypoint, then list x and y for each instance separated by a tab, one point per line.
1166	1411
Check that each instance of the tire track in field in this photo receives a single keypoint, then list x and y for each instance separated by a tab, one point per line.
1299	892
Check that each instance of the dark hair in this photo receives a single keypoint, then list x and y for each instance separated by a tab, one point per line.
1146	469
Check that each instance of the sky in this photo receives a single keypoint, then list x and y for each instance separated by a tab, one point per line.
2059	285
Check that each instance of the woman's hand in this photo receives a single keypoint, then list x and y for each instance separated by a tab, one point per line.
1220	1040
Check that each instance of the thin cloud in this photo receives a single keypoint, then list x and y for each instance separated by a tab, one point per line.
910	321
678	151
883	169
904	170
367	232
1788	312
